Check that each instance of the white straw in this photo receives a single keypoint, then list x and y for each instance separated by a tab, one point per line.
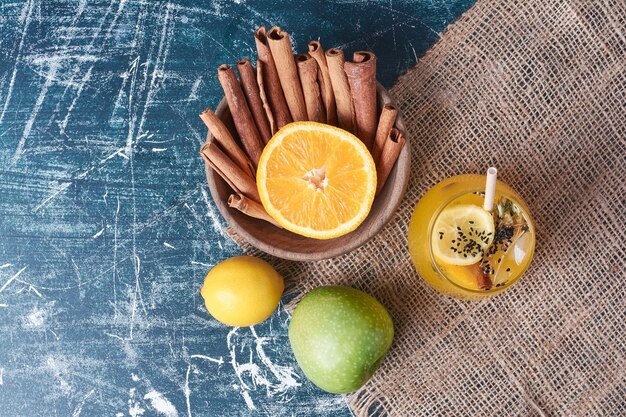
490	188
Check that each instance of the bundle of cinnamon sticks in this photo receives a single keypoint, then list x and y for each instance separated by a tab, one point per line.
315	86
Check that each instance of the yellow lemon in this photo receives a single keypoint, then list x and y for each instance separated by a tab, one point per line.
242	291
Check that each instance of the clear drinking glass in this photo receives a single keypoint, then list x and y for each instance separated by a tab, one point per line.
498	265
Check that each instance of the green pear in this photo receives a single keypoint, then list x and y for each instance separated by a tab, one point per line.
339	336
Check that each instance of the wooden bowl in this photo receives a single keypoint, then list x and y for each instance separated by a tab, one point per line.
287	245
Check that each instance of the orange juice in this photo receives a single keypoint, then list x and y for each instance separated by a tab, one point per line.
460	249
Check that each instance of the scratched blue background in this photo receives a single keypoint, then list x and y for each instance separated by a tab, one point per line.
106	225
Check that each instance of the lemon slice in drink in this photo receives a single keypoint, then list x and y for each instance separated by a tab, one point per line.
461	234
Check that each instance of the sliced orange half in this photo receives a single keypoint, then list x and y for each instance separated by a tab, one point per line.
316	180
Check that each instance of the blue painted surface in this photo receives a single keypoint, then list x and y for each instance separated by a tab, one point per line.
106	225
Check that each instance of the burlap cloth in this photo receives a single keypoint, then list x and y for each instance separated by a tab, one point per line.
538	89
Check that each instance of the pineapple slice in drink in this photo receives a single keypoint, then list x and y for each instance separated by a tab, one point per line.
512	243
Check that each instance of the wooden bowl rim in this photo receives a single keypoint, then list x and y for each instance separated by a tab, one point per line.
400	175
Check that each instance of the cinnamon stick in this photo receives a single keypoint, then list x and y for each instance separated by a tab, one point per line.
307	71
244	122
280	45
389	156
237	179
362	79
341	90
250	87
385	123
260	71
271	81
328	97
483	281
222	135
250	208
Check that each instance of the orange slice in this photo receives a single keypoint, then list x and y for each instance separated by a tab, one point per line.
316	180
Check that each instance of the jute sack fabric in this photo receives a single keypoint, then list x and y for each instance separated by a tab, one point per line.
538	89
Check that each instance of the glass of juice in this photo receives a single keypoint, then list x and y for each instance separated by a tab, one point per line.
467	244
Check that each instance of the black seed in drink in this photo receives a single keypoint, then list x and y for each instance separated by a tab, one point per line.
508	270
471	222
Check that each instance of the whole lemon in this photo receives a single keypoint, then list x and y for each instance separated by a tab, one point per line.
242	291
